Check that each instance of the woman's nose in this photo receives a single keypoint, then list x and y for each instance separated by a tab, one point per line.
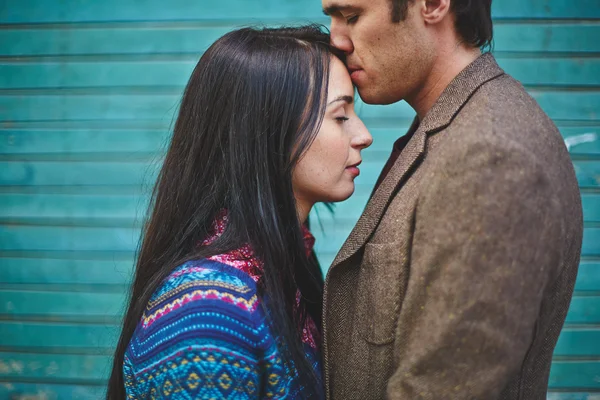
363	138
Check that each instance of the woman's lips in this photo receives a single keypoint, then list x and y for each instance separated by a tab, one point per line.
353	171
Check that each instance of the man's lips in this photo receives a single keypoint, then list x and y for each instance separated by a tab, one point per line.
355	72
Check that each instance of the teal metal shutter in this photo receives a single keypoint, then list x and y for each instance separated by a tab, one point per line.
87	95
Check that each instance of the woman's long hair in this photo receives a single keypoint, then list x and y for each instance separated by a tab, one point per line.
252	106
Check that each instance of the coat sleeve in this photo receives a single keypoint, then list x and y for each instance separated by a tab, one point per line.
486	247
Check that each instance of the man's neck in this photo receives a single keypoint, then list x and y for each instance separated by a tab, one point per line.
447	66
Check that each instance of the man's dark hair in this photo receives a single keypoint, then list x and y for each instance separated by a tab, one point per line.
473	19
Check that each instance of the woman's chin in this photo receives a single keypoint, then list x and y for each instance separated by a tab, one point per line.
341	195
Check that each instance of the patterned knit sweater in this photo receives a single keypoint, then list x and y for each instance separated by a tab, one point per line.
205	335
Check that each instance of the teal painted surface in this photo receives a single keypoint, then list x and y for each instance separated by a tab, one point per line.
88	91
84	105
530	70
51	391
36	11
66	142
181	39
61	367
19	173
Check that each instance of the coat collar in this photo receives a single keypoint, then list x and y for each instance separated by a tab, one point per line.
448	105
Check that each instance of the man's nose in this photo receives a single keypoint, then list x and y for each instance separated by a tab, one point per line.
340	40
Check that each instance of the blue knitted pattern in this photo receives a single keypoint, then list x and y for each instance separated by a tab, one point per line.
205	335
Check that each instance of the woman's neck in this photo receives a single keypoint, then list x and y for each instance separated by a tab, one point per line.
302	210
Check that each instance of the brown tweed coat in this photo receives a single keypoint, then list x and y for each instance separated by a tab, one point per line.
456	280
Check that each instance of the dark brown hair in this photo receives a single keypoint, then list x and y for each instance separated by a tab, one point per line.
252	106
473	19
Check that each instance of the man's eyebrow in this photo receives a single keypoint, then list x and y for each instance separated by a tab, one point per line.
337	8
346	98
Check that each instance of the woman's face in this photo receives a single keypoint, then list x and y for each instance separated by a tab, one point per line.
326	170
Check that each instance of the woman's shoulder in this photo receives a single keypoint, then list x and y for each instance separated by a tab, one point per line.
204	294
205	314
202	302
204	321
204	275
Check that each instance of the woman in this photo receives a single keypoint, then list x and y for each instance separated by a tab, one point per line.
226	301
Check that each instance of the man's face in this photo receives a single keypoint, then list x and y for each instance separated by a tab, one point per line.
388	61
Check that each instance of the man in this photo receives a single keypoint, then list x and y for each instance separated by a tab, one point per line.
457	278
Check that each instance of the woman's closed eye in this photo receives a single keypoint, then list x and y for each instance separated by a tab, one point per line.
342	119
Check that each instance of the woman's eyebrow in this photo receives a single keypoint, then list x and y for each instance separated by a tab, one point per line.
346	98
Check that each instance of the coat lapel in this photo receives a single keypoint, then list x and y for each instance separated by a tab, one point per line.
367	222
482	70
